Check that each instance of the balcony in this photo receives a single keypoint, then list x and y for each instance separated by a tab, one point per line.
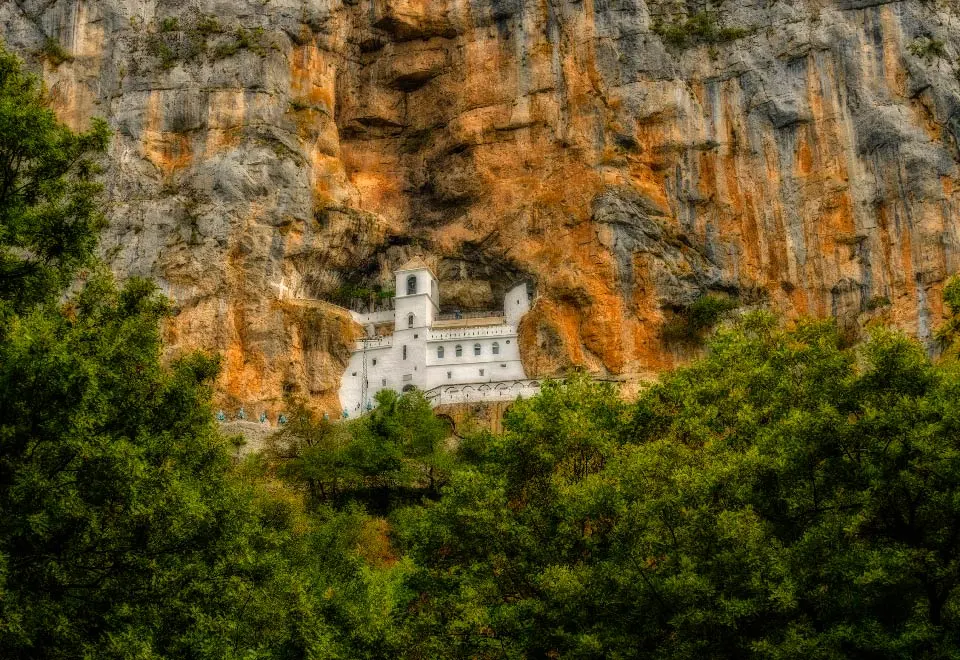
469	319
374	343
443	334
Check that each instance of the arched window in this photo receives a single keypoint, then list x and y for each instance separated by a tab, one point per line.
496	348
409	320
440	352
476	349
404	351
459	350
411	285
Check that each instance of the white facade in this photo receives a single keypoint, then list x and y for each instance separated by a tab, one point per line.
427	351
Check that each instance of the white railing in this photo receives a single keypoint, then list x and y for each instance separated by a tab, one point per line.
374	342
470	333
482	392
461	316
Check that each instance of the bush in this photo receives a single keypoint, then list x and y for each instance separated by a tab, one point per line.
928	48
163	51
701	27
177	41
689	324
253	40
876	302
208	25
54	52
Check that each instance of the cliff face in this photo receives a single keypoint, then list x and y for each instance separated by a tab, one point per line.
627	156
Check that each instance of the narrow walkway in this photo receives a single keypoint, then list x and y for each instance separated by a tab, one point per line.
482	392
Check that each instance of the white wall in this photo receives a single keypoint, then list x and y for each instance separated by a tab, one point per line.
386	367
427	371
451	369
516	303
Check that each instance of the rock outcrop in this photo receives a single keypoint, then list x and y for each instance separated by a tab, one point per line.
628	156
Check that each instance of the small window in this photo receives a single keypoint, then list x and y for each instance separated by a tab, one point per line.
481	372
411	285
496	348
508	341
449	374
476	349
383	382
354	373
404	352
374	361
416	336
459	350
440	352
409	320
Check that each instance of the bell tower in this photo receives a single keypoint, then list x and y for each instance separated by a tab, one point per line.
416	301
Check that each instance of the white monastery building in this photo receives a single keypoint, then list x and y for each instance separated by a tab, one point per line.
414	346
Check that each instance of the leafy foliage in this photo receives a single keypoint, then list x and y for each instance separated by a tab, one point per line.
182	39
701	27
783	497
690	324
54	52
125	530
254	40
397	447
948	334
928	48
117	511
49	210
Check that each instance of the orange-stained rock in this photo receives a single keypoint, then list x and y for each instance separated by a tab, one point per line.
810	165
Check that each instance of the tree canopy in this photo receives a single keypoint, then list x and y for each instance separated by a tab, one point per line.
783	497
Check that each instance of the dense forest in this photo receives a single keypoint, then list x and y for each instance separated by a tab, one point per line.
786	496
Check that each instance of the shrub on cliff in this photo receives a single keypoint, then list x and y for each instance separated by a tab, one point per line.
698	28
690	324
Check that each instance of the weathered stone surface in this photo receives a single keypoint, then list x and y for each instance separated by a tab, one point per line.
808	157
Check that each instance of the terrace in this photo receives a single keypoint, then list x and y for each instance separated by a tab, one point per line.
469	320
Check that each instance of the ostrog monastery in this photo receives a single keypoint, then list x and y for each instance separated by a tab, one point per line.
414	346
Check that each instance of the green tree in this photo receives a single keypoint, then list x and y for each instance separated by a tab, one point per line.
49	205
948	333
783	497
123	530
485	551
115	505
312	452
797	499
407	422
399	444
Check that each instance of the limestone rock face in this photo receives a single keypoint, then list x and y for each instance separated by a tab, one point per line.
626	156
